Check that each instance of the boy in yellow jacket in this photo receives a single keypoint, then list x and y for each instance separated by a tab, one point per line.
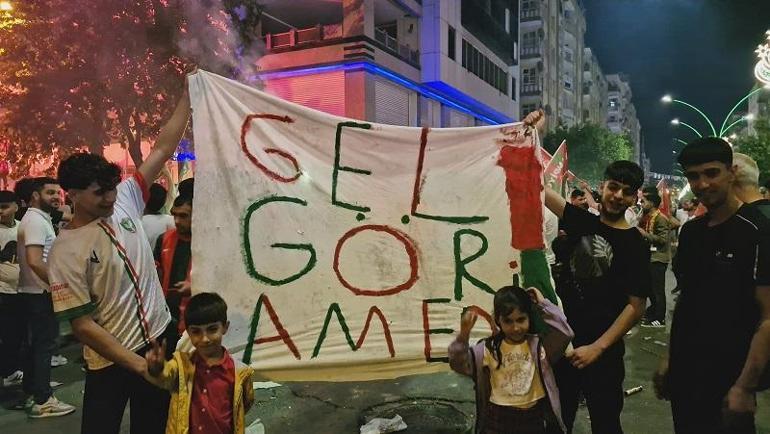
210	391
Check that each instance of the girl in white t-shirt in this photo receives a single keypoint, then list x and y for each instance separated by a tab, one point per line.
515	385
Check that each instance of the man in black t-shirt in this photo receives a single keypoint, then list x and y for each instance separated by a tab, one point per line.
604	285
720	337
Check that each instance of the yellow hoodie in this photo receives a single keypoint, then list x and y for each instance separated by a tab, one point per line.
177	377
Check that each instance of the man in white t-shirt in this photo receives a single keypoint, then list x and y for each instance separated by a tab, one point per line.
103	280
35	238
12	323
154	221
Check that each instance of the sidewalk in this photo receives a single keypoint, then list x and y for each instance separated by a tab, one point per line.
444	401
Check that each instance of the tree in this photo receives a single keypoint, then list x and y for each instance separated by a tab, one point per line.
79	74
757	146
590	149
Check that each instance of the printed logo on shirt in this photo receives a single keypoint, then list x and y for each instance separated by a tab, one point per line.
128	225
60	293
94	258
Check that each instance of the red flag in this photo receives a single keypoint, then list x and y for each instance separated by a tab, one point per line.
556	170
665	198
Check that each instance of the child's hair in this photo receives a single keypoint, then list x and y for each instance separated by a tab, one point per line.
205	308
506	300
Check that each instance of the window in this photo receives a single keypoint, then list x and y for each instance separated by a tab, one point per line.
530	40
527	109
529	76
529	5
513	88
614	103
452	49
481	66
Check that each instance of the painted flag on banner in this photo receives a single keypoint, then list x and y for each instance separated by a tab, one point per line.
665	198
555	172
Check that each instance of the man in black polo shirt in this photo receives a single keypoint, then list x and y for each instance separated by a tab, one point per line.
603	285
721	327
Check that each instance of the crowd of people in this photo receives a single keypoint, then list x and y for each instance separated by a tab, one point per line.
118	269
609	252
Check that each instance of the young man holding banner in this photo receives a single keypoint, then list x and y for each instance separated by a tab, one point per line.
604	288
103	279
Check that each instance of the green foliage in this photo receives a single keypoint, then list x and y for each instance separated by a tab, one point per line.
757	147
590	149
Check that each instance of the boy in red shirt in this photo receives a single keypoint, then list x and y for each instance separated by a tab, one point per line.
210	391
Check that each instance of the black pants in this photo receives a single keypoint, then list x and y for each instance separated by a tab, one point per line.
657	309
42	331
509	420
602	385
700	411
109	389
13	333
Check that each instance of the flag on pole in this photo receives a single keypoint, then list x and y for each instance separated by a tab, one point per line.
665	198
555	172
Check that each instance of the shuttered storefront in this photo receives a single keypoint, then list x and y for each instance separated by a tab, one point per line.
324	91
391	103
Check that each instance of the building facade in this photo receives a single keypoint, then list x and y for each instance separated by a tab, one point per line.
621	113
595	97
759	110
552	35
420	63
539	52
572	29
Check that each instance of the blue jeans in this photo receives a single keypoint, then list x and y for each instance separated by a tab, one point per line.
42	331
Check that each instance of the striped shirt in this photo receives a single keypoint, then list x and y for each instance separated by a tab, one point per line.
106	269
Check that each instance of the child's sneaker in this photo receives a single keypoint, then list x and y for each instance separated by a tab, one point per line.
14	379
58	360
51	408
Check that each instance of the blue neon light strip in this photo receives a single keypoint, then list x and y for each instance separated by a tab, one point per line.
491	118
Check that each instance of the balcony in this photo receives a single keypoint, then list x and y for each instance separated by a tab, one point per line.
531	89
400	50
531	15
294	38
319	33
531	52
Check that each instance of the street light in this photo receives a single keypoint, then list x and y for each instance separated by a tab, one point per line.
677	122
6	6
668	99
749	117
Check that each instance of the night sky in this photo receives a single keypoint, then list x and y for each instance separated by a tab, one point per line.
699	51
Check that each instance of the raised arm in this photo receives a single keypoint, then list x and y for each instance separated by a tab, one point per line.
459	351
168	139
554	202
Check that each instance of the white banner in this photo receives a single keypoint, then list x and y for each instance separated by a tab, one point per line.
346	250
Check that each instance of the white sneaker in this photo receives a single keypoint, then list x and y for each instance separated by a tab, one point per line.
58	360
51	408
14	379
